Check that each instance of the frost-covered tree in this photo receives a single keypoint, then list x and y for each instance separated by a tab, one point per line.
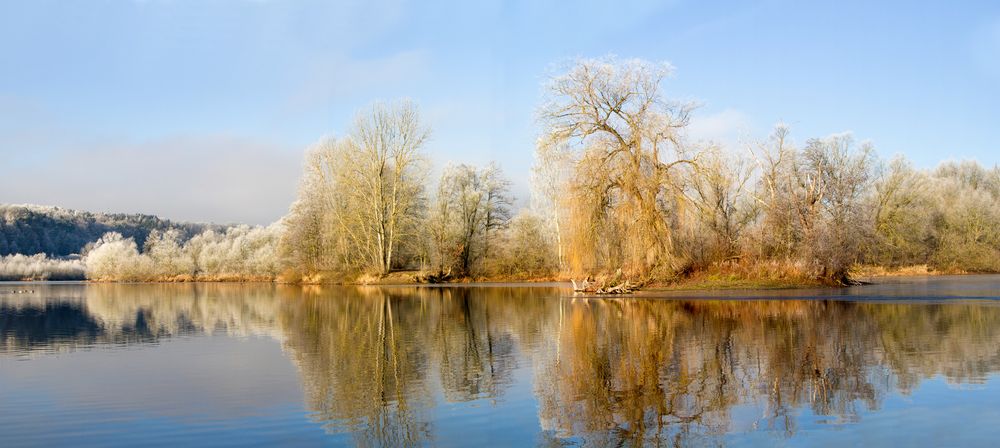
902	216
116	258
240	253
59	232
524	249
723	208
550	180
816	202
19	267
362	196
166	251
965	233
471	206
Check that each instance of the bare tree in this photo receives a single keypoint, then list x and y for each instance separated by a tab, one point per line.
902	225
363	195
839	177
718	191
816	201
383	179
774	157
312	241
471	205
550	177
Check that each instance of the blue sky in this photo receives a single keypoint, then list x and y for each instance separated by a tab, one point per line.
201	110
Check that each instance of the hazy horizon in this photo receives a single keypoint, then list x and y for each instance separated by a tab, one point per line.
202	112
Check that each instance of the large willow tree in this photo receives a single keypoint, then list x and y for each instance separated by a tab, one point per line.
630	162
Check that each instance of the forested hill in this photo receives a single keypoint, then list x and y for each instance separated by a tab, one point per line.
32	229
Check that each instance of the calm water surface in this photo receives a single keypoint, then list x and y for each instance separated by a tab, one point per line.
898	364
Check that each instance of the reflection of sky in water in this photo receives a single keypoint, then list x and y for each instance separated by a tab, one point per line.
173	392
244	364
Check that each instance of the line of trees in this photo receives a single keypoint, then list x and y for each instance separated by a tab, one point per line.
365	206
624	189
240	253
618	187
59	232
19	267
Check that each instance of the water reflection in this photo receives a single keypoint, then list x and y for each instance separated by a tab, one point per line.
372	364
378	363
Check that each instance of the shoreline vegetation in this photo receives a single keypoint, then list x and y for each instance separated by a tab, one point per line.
24	268
621	196
699	281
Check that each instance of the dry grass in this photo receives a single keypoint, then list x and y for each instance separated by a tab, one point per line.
410	277
187	278
887	271
316	278
768	274
903	271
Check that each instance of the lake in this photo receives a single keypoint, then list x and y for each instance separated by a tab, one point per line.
909	362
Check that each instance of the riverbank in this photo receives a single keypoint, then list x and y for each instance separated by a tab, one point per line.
773	277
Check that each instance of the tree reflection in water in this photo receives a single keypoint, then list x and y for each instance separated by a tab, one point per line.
377	362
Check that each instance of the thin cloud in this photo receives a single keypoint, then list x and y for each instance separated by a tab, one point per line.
335	77
727	126
195	178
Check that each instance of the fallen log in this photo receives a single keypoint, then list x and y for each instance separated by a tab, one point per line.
621	288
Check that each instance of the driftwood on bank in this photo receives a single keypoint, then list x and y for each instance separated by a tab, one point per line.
613	285
621	288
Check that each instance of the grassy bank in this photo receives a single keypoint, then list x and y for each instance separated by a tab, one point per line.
720	276
870	271
743	275
751	275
